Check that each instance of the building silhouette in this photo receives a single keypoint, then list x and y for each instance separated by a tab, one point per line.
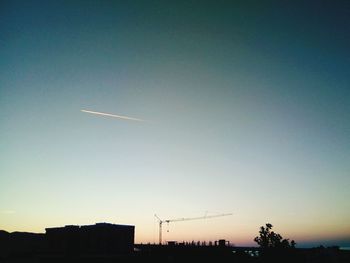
101	238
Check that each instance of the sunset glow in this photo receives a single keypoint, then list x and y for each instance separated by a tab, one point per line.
114	111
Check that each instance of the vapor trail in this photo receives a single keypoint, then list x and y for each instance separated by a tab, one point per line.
112	115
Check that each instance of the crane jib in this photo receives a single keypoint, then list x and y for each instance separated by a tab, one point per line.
183	219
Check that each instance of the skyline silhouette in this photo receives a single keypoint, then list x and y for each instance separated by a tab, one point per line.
106	242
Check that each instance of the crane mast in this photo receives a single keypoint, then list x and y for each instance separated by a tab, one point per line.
182	219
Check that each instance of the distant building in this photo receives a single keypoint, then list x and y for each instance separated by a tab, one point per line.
107	238
101	238
172	243
222	243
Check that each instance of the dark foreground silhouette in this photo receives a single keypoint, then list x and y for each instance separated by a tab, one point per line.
164	253
107	243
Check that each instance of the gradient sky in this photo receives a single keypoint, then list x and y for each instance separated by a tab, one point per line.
247	109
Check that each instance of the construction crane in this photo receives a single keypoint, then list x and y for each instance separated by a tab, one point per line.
182	219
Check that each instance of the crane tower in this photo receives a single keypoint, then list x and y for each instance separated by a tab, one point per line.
183	219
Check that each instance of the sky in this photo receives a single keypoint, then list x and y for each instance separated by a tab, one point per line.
235	107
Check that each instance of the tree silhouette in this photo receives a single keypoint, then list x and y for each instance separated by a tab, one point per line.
269	239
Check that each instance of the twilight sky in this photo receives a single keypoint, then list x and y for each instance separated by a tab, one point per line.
246	107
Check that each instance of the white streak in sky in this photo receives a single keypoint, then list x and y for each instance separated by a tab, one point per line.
112	115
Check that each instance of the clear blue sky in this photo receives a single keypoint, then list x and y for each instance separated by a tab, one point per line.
247	109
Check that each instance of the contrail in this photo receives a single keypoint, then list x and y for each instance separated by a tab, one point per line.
112	115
